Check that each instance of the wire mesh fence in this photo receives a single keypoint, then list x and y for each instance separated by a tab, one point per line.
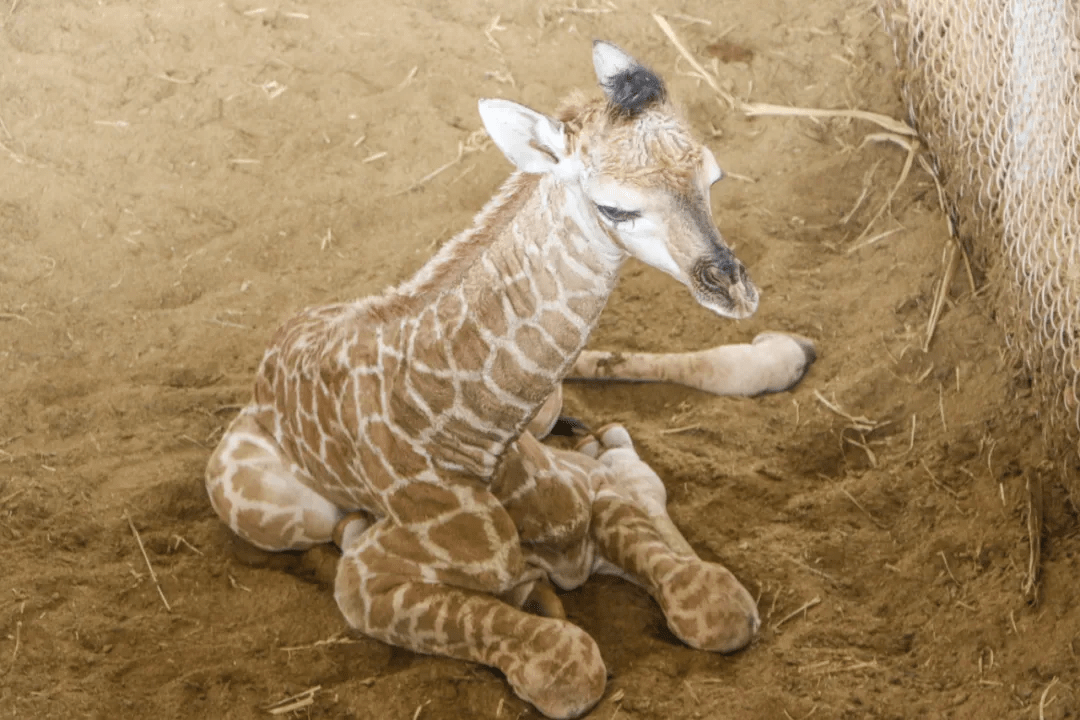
992	87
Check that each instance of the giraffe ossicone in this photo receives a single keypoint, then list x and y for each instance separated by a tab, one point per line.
404	426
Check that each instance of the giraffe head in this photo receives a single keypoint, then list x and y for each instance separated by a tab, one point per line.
636	178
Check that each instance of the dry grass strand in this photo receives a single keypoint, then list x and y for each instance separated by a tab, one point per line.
768	109
701	71
940	296
149	566
913	149
293	703
338	639
476	141
860	423
801	609
1034	524
1042	699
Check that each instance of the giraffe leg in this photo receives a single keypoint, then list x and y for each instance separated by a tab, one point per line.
705	606
254	491
773	362
398	584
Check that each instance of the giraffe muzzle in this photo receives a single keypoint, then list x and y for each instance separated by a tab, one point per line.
723	285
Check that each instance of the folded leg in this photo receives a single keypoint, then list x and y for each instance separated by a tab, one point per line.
431	587
773	362
705	606
255	490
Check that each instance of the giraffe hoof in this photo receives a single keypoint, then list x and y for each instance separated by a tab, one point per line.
566	426
319	564
544	602
791	355
614	435
349	528
588	445
562	675
316	564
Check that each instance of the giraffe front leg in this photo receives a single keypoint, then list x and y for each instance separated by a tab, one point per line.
391	585
704	604
773	362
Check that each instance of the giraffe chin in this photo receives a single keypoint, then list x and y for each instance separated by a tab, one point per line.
735	308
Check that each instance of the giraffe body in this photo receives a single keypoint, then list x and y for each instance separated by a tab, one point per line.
398	425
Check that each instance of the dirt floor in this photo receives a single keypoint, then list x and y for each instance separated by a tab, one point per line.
177	178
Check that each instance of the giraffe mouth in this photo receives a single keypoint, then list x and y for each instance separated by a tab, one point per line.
724	287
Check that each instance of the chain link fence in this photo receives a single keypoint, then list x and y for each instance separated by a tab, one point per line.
992	87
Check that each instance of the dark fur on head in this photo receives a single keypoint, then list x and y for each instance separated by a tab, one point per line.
632	91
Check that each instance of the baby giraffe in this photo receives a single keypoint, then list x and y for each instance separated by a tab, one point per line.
398	426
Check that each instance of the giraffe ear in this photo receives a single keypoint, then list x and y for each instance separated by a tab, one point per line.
534	142
609	62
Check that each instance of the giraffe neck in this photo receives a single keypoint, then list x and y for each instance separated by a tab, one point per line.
502	313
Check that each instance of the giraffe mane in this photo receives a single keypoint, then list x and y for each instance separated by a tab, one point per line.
460	252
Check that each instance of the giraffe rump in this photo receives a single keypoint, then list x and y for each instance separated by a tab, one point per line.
634	90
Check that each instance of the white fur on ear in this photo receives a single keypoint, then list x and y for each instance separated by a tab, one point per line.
532	141
609	60
712	170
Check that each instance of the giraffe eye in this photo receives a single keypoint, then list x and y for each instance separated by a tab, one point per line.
616	215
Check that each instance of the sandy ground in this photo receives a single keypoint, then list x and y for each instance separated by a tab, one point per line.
177	178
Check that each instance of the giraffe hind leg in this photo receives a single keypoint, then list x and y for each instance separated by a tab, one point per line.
254	491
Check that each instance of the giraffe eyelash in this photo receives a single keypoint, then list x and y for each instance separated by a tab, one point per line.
616	215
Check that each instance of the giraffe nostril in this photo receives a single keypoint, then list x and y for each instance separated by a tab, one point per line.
714	277
720	275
